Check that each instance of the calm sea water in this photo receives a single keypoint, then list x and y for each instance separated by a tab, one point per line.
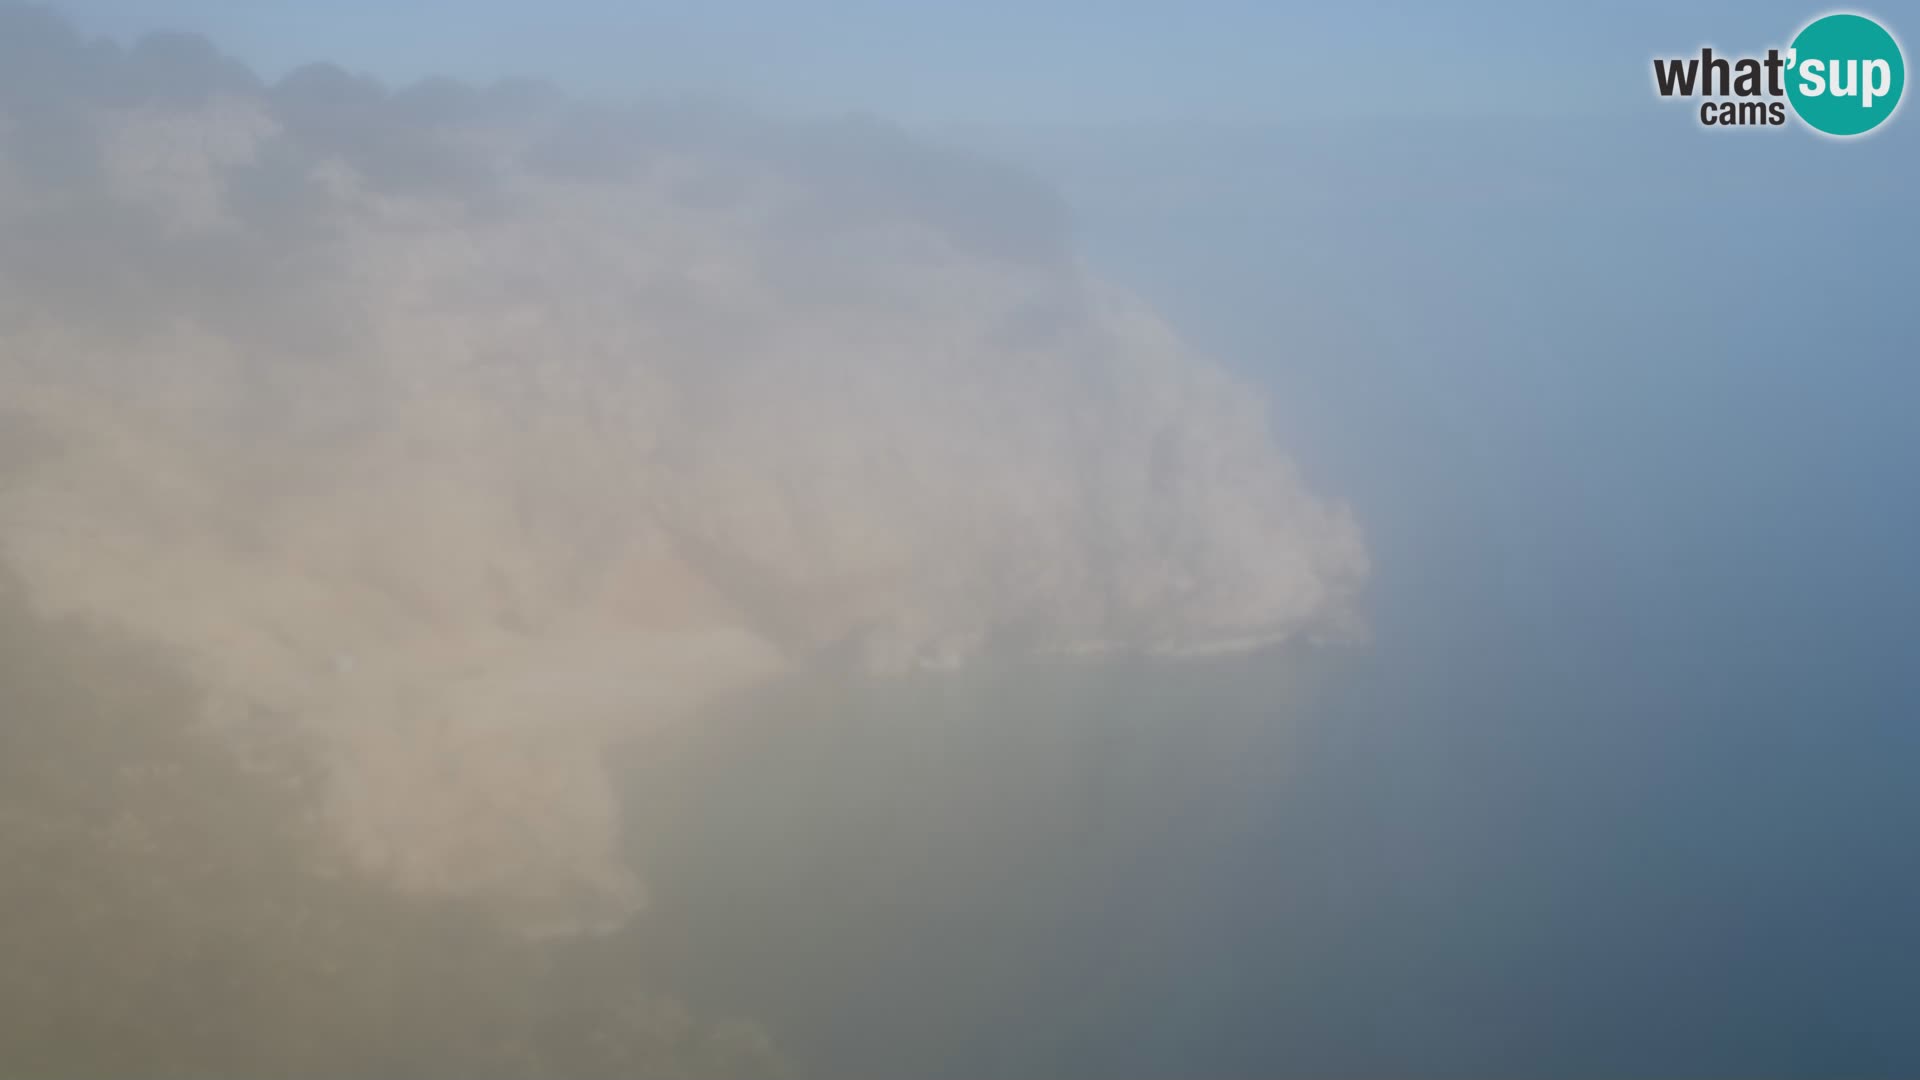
1628	780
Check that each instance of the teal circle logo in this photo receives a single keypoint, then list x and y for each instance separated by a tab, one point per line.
1845	74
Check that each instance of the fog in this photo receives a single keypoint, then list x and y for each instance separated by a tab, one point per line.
508	579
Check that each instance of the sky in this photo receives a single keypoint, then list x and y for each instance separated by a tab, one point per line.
1622	783
1002	63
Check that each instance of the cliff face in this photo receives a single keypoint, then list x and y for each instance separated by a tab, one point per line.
461	432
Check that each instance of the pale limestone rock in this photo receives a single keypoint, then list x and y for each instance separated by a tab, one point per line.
463	484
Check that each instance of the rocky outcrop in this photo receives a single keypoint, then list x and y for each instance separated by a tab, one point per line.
465	431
